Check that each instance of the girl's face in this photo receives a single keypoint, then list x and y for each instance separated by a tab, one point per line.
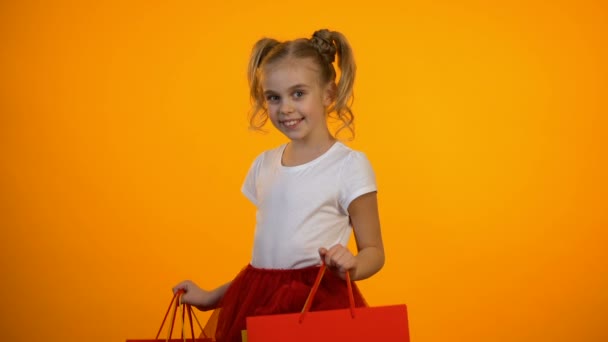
296	100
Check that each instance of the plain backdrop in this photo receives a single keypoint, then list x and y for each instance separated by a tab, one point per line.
124	144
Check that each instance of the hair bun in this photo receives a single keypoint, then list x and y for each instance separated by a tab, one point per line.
323	42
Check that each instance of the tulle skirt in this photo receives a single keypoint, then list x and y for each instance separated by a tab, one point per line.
256	291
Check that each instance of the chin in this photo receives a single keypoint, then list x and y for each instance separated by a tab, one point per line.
292	136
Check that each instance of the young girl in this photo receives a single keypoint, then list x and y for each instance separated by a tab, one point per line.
310	193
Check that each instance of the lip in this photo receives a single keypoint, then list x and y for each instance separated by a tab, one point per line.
298	121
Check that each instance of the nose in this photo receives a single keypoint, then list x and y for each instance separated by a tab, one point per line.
286	107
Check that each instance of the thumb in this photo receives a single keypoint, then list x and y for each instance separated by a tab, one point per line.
322	251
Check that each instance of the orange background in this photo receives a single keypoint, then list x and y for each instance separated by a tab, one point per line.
124	142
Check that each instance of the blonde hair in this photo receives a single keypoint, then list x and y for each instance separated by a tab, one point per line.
322	48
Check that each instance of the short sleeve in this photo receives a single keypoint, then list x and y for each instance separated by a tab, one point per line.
249	187
357	178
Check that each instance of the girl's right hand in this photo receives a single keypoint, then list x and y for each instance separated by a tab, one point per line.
194	295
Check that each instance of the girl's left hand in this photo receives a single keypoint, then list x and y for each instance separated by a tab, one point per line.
339	258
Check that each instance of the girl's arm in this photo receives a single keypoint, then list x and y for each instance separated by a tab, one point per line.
365	220
370	257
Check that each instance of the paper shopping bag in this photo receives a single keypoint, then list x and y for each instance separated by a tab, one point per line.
383	323
186	308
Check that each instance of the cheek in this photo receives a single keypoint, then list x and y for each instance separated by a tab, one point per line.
272	111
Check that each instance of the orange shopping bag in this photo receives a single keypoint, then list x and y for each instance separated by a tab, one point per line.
185	308
383	323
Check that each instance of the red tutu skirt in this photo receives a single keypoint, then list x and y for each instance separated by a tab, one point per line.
257	291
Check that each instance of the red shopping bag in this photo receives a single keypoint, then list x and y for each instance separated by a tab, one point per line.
185	308
383	323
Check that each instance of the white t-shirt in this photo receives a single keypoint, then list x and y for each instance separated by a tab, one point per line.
302	208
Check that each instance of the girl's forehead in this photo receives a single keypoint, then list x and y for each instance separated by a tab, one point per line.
298	70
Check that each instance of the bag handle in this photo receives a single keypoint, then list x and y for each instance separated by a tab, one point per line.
185	307
315	287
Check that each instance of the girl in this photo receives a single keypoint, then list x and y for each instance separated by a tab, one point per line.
310	193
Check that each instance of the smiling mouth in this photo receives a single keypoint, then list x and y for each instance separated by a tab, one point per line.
291	123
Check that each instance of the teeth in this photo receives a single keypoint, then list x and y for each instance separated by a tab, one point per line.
291	122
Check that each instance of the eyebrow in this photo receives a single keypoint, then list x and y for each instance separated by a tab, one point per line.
293	87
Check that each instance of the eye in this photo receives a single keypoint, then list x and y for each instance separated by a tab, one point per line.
272	98
298	93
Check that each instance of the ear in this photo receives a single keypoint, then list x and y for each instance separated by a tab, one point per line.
329	94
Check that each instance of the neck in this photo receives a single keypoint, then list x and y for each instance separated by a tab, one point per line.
299	152
315	143
320	145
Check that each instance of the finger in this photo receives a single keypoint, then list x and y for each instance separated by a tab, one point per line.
339	259
329	258
335	248
338	256
337	251
332	251
347	263
184	285
326	256
322	251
